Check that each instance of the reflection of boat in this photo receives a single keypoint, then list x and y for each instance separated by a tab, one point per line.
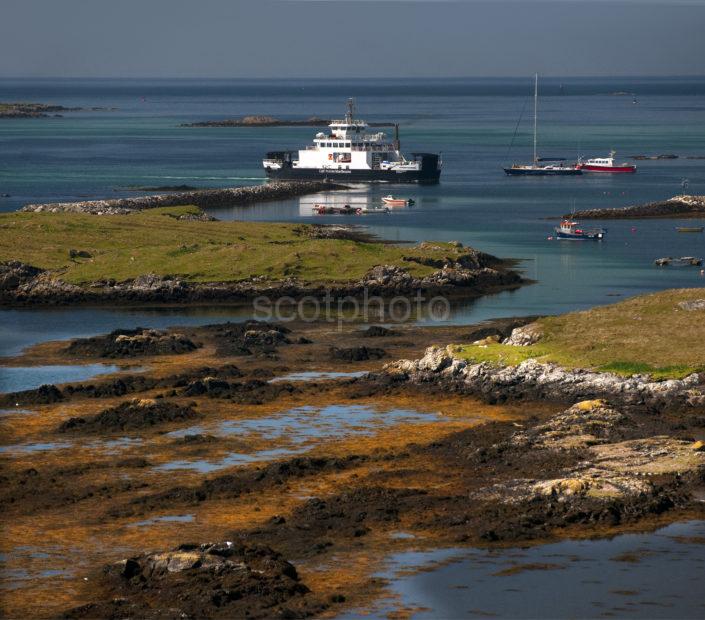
397	202
605	164
330	210
537	167
690	228
683	261
569	230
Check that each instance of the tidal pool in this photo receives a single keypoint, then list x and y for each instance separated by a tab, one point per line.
655	575
16	379
313	375
299	428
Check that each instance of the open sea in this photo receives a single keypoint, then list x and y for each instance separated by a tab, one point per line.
99	154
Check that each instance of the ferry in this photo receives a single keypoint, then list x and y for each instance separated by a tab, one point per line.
605	164
349	152
569	230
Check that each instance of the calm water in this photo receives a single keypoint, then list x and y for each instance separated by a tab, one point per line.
98	154
622	577
91	155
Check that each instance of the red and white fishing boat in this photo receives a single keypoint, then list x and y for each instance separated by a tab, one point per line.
392	201
604	164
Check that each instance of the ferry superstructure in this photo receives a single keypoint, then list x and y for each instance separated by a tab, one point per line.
350	152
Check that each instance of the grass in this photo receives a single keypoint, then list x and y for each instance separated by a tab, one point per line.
155	241
649	334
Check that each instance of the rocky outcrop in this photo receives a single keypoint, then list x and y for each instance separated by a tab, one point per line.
139	342
228	579
483	274
534	380
524	335
205	199
678	206
131	415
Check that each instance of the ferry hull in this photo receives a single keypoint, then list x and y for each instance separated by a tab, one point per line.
354	176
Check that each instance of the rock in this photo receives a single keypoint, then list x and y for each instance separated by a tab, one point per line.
357	354
79	254
493	339
14	273
133	414
698	446
136	342
695	304
229	579
524	336
377	331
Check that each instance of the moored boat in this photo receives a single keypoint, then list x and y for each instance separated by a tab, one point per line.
605	164
392	201
569	230
541	166
690	229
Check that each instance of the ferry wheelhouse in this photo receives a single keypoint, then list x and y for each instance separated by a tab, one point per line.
350	152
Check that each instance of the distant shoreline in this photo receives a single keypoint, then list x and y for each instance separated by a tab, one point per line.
682	206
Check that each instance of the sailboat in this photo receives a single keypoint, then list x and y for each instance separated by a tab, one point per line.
541	166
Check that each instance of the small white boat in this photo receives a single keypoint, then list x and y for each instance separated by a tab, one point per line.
392	201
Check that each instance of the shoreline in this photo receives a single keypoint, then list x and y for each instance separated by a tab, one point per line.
682	206
527	471
203	199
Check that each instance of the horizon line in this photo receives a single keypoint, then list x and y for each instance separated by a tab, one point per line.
357	77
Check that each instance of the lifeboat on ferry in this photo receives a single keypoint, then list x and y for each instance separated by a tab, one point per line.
605	164
392	201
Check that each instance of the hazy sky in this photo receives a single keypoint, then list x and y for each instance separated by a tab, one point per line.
366	38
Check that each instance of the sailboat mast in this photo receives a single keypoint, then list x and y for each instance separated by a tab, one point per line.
536	103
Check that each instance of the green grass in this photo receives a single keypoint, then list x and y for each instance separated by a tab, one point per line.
650	334
154	241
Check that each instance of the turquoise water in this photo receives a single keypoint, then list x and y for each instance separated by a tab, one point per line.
98	154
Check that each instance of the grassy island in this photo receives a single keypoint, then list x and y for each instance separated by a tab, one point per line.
82	248
662	334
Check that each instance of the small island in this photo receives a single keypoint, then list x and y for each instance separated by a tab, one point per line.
270	121
40	110
682	206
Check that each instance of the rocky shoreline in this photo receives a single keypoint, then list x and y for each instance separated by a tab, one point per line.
682	206
204	199
472	274
532	380
305	533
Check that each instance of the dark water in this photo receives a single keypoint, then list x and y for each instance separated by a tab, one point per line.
98	154
655	575
29	377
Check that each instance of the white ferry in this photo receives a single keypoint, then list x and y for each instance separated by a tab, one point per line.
349	152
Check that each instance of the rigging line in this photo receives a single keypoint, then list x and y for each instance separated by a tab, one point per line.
516	129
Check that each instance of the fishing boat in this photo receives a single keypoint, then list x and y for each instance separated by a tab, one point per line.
349	151
569	230
605	164
392	201
690	229
541	166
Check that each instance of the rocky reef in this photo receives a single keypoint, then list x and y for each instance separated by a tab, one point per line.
229	579
678	206
206	198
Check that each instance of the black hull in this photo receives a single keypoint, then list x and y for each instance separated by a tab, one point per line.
354	176
512	172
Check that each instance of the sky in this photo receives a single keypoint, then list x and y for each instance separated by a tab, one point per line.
350	38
